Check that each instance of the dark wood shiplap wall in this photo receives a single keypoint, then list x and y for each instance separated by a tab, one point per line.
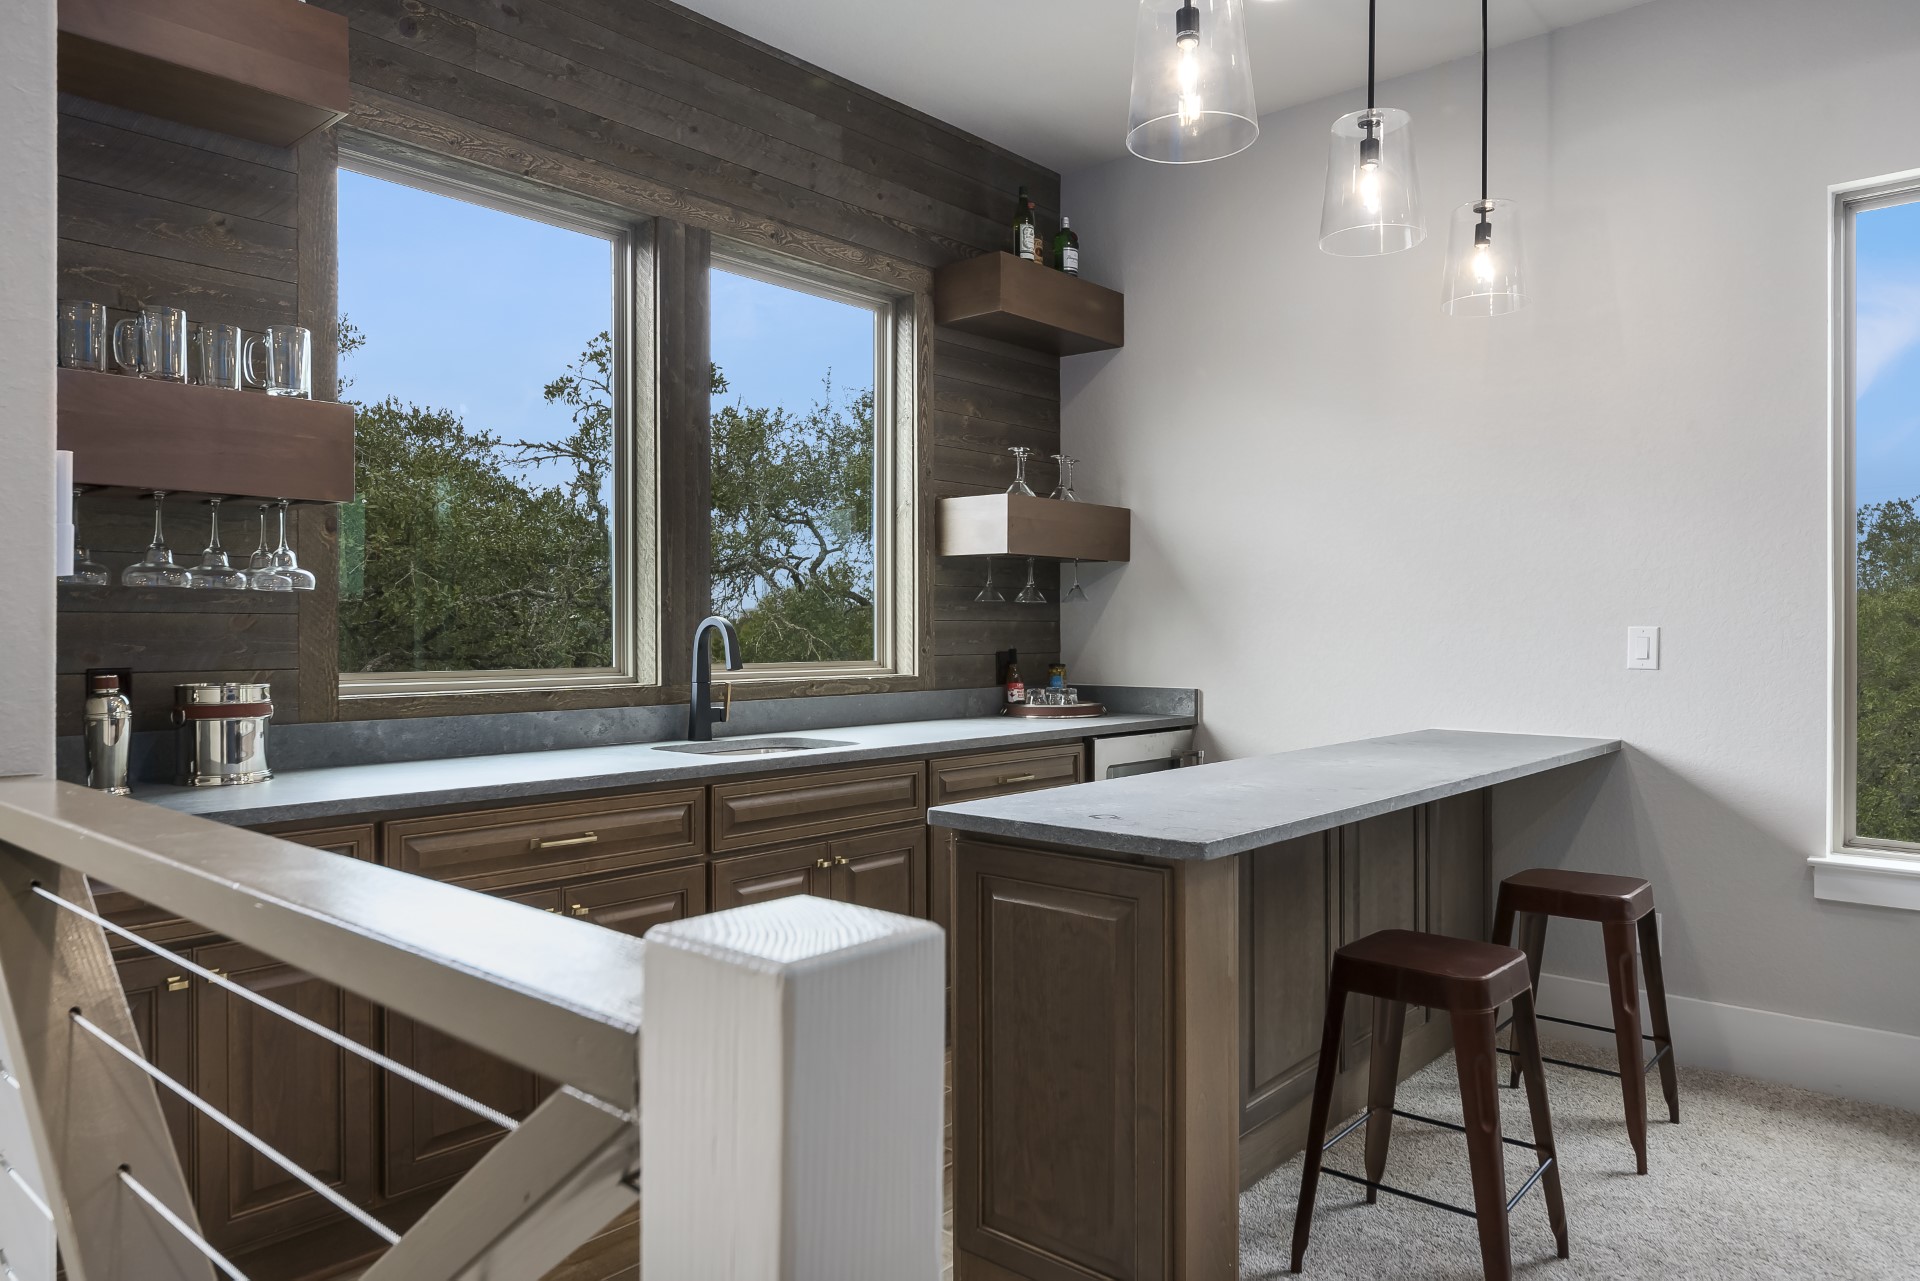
632	103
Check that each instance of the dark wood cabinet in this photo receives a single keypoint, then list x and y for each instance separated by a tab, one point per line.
426	1139
782	873
161	998
304	1096
1289	928
770	811
954	779
886	870
635	904
522	844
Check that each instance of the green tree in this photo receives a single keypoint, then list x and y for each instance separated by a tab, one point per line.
1887	632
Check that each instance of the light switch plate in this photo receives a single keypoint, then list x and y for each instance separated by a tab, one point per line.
1643	647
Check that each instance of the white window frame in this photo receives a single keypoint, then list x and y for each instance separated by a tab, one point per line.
896	491
635	561
1853	868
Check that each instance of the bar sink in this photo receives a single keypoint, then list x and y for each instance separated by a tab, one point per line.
754	746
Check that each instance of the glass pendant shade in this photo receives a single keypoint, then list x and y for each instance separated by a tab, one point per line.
1486	262
1373	193
1192	84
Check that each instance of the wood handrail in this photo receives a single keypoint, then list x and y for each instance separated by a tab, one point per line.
532	988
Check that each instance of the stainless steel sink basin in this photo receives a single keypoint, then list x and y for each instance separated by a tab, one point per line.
754	746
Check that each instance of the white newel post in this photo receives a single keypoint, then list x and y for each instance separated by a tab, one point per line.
791	1093
26	1227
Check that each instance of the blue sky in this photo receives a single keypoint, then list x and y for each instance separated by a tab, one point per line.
469	309
1887	354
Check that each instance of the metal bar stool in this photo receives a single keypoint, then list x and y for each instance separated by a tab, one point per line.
1470	981
1622	905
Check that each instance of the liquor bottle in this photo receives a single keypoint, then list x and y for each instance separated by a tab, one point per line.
1016	688
1066	248
1026	238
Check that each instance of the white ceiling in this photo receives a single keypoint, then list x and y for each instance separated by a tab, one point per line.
1048	79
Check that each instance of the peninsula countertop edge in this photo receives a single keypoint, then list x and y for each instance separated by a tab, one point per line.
1231	807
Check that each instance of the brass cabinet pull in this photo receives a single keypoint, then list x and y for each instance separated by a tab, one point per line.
823	862
539	843
1018	778
175	983
580	909
842	861
554	910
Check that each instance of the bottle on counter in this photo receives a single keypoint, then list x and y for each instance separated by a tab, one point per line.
1066	248
1016	688
1026	237
108	725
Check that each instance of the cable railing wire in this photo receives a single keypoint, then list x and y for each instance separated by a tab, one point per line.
19	1180
238	1131
180	1225
351	1046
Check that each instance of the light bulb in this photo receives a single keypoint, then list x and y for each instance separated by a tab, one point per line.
1483	263
1189	74
1370	186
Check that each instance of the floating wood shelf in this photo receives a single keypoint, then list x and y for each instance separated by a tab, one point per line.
138	434
1001	296
270	70
1008	525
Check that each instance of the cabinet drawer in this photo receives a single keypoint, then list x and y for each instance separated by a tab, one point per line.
973	778
770	811
635	904
492	848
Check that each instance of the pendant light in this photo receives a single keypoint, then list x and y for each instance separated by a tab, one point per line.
1192	84
1372	205
1484	261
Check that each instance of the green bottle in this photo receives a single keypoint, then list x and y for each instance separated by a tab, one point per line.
1066	248
1026	238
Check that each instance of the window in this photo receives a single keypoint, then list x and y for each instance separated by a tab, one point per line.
805	448
1877	533
486	345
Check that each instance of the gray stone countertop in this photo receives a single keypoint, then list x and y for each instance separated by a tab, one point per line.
348	790
1215	811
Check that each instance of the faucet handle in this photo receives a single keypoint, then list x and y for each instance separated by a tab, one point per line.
726	700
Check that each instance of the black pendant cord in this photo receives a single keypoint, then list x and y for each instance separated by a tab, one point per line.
1484	42
1372	26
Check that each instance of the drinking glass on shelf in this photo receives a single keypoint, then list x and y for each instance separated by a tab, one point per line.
289	361
214	571
153	344
263	575
87	572
1075	592
285	561
989	594
1064	490
214	356
157	567
1019	486
1031	593
83	335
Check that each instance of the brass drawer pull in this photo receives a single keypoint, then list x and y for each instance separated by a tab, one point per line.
823	862
1018	778
580	909
175	983
538	843
842	861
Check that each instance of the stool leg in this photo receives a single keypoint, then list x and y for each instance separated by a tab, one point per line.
1383	1075
1624	983
1657	1010
1526	1034
1317	1120
1533	941
1475	1060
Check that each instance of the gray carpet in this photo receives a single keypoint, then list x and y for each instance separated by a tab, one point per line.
1756	1181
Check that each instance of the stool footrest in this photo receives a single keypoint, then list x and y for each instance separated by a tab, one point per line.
1658	1054
1448	1125
1549	1018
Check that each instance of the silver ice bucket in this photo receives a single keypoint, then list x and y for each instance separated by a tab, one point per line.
222	729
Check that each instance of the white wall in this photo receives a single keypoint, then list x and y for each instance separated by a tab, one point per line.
1354	516
26	386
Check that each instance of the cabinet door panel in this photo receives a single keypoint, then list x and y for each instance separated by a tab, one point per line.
427	1139
1289	923
301	1095
635	904
1383	870
160	996
1460	867
886	870
755	878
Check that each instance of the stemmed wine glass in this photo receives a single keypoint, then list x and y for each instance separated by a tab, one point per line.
1075	592
215	572
263	575
1031	593
1064	490
87	572
156	568
1019	486
989	594
285	561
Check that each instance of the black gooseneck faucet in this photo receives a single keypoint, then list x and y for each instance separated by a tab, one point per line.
703	712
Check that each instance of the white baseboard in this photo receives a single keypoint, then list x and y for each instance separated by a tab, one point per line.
1834	1058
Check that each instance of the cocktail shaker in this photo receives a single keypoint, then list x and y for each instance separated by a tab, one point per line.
109	735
